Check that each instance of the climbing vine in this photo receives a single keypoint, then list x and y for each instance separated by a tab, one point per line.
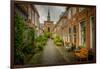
23	40
26	42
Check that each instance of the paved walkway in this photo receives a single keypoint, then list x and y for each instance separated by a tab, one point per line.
68	55
51	55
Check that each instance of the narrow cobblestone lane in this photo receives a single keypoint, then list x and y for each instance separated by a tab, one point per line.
51	55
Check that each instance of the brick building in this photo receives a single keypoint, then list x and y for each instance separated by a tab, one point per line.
77	26
59	27
29	13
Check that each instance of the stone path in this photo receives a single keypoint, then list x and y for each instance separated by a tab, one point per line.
51	55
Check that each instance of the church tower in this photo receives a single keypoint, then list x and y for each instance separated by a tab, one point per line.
48	25
48	17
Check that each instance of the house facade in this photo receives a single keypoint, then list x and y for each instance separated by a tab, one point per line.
77	26
30	15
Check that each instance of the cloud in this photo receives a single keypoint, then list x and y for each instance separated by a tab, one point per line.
55	12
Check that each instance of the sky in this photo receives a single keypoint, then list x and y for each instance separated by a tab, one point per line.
55	12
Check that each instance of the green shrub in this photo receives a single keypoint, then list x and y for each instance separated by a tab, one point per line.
58	41
52	36
19	57
47	34
40	42
23	40
40	47
18	39
25	44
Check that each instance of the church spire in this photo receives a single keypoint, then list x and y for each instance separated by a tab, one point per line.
48	17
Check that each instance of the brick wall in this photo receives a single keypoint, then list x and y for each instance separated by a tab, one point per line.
75	21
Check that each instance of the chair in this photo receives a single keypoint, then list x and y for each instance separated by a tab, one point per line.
82	54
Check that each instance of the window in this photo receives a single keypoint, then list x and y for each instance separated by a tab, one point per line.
21	13
29	12
74	29
70	37
92	32
69	30
83	33
74	35
69	13
73	10
33	20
